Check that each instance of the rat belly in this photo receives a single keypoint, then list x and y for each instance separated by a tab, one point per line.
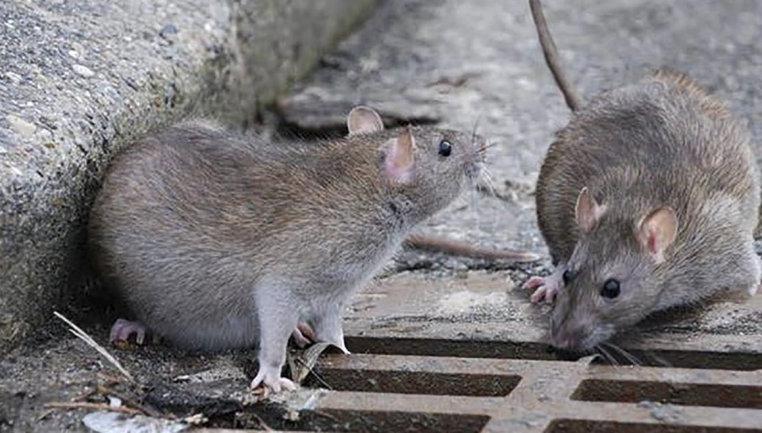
194	297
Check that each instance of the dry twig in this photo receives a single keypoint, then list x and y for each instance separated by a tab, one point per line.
82	335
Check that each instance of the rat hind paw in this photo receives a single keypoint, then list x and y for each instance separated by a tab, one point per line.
270	380
303	335
122	329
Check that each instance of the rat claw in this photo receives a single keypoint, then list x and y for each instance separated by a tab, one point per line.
533	283
545	289
544	293
538	295
269	380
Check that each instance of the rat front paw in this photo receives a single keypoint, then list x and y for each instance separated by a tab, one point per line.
544	289
271	381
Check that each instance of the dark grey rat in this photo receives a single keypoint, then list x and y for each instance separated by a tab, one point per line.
218	241
647	199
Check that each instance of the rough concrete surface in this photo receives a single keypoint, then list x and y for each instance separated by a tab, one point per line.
80	79
455	63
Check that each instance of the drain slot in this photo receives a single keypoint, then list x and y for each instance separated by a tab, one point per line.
454	348
691	359
543	352
583	426
412	382
357	421
740	396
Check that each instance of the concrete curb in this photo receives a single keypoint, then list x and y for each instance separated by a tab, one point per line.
82	79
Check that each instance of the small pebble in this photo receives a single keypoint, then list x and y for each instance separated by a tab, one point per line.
15	78
21	126
83	71
168	30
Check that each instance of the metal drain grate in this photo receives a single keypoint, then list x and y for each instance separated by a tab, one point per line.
465	355
531	395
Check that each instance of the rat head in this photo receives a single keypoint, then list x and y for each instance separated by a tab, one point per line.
614	275
422	169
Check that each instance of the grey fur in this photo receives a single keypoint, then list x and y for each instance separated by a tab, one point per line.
218	241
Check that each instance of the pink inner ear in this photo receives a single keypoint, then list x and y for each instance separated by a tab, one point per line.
652	247
398	162
398	174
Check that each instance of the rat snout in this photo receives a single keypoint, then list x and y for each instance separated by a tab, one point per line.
474	162
570	334
473	169
567	339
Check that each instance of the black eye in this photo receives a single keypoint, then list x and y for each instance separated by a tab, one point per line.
445	148
610	289
567	276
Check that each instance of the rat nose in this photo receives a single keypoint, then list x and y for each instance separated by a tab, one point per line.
567	339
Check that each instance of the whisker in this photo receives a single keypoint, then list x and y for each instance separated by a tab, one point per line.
630	357
607	355
487	146
476	127
659	359
490	183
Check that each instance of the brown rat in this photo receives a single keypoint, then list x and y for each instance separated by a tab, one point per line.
219	241
647	199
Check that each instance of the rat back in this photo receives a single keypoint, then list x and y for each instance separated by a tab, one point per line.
662	141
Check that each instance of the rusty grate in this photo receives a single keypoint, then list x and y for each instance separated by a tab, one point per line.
416	385
401	385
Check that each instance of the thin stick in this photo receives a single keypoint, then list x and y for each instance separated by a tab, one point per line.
82	335
127	401
551	56
262	422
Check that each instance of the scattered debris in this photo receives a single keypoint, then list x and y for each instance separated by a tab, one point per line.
91	406
301	365
662	412
109	422
82	335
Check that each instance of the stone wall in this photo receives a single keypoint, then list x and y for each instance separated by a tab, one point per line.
80	79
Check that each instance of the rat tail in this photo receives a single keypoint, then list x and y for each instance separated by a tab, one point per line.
463	249
551	56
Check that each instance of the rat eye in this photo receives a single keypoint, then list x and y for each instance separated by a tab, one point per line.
567	276
610	288
445	148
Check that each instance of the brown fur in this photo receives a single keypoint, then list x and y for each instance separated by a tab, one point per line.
661	142
216	240
669	192
190	219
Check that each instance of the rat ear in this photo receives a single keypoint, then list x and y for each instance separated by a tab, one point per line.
657	231
399	157
587	212
364	120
